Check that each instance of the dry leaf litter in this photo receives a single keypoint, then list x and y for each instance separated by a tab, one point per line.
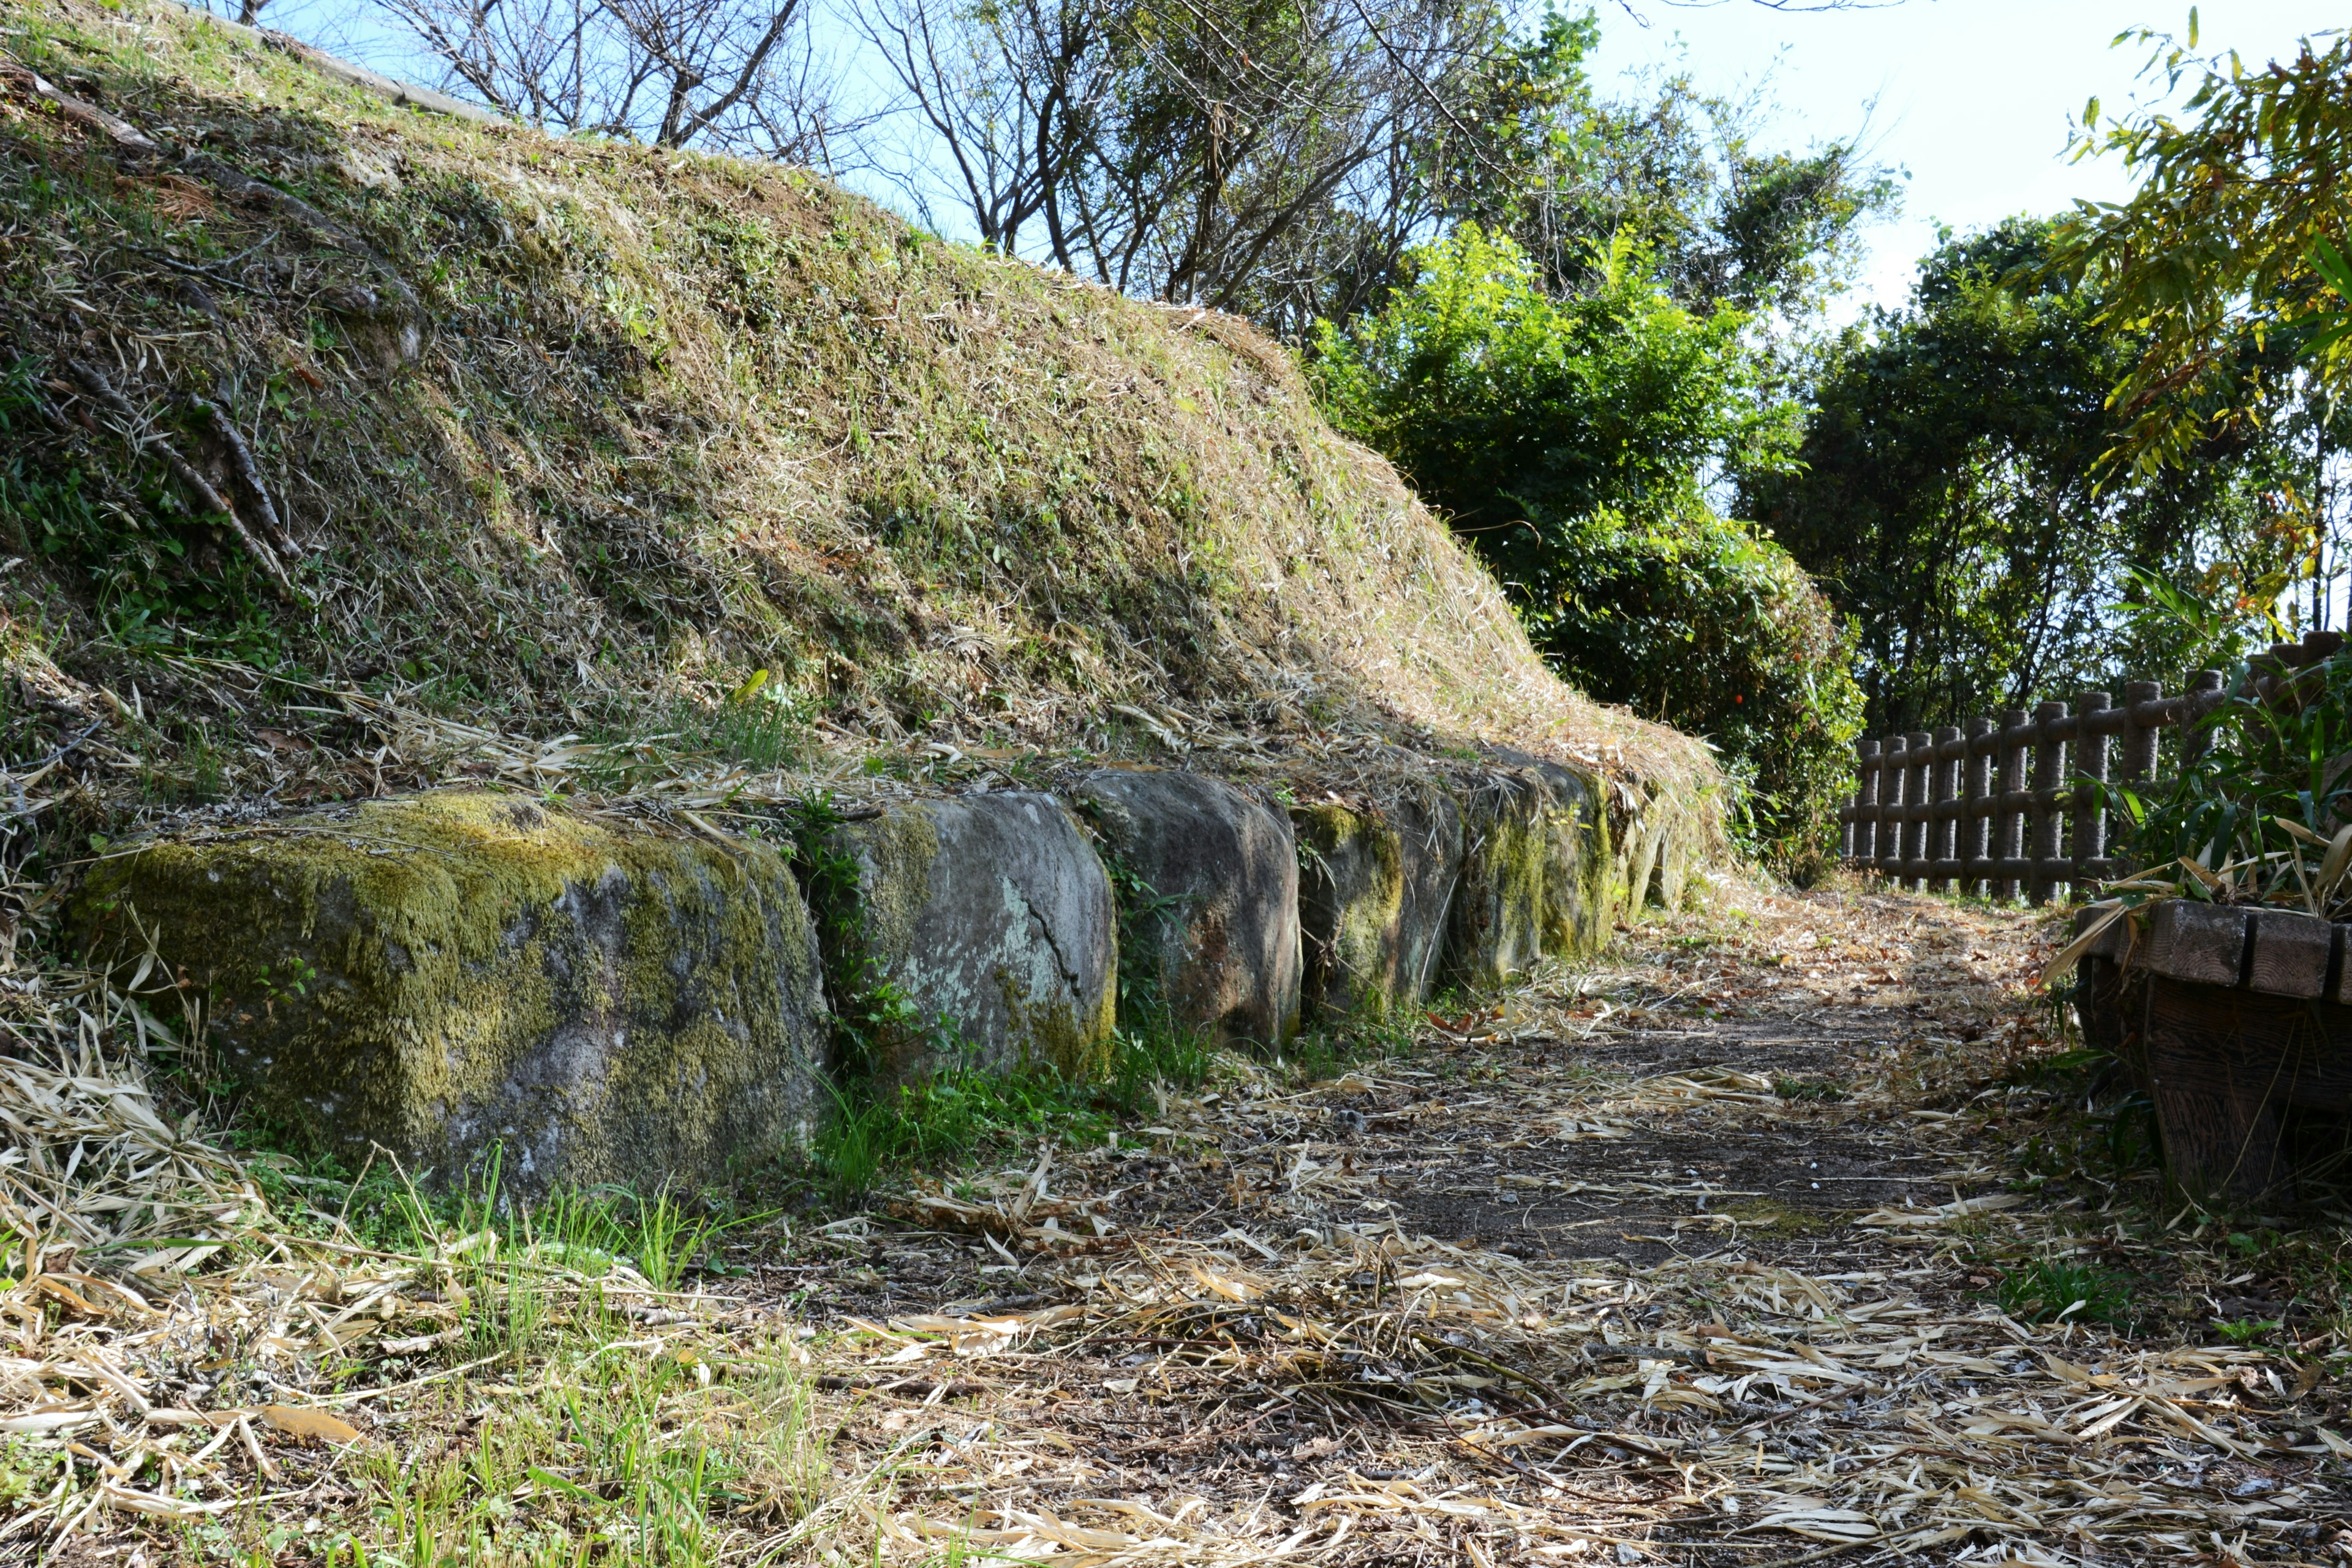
1529	1295
1550	1284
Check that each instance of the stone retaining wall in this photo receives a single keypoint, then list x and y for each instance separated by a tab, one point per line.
608	1000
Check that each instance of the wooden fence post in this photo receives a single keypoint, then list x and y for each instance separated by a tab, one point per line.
1854	840
2007	821
2135	764
1944	840
2090	796
2049	775
1918	805
1890	807
1976	808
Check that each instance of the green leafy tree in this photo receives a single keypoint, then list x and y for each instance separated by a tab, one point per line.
1538	154
1950	496
1570	439
2243	194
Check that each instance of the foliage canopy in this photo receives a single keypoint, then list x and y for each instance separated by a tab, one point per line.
1950	494
2218	248
1570	439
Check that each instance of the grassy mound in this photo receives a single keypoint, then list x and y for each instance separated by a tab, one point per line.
574	438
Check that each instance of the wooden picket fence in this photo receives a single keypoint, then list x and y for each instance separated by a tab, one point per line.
1998	804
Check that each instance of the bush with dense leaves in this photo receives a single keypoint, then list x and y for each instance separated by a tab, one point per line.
1703	623
1569	440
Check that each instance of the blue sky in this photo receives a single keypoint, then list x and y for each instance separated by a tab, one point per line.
1974	98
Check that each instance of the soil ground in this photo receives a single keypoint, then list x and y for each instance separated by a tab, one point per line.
1799	1227
1720	1251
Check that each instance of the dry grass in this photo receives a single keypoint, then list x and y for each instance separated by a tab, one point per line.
1737	1248
1720	1250
668	421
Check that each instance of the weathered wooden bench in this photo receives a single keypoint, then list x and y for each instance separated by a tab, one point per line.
2237	1024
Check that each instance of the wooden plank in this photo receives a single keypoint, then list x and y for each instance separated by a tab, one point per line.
2233	1076
2205	943
2291	953
2210	1078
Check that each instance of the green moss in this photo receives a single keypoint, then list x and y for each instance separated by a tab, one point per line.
896	849
1351	897
1577	903
1658	844
1497	924
461	969
1054	1036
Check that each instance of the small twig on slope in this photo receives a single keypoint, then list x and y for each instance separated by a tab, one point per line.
248	476
94	383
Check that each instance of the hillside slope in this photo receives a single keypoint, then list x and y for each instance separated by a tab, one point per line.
569	437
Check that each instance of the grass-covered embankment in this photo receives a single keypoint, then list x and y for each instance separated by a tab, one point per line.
571	436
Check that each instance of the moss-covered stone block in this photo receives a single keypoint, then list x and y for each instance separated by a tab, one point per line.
1214	939
1573	803
989	921
1374	887
1496	928
1660	839
461	970
1541	868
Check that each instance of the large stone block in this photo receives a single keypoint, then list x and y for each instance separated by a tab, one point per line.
1578	900
989	916
1215	940
1661	838
1496	928
1374	887
459	970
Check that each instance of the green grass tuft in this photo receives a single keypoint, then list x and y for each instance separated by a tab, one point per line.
2051	1290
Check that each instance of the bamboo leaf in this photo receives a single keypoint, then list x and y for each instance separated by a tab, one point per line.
2339	860
2069	955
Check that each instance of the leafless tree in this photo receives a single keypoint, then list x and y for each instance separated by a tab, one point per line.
1189	150
734	75
1004	99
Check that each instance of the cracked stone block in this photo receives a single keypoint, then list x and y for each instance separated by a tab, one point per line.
1211	933
462	971
984	922
1375	887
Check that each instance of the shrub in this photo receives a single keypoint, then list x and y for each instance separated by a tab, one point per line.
1701	622
1571	441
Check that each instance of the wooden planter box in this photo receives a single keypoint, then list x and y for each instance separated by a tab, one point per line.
2237	1024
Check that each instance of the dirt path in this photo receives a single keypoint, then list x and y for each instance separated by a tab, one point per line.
1796	1230
1721	1253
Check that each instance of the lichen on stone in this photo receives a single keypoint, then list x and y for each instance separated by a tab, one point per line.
462	971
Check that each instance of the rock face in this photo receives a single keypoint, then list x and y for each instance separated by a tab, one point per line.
1374	888
988	920
1579	899
1538	874
1213	927
462	970
1495	928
